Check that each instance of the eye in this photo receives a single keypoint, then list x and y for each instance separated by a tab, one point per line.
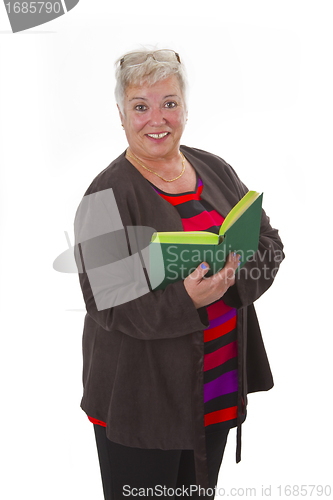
170	104
140	107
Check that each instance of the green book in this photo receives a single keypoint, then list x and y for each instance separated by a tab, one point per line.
174	255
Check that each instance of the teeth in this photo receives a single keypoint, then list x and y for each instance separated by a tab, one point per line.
158	136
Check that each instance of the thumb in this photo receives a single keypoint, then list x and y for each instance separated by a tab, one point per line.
198	273
201	270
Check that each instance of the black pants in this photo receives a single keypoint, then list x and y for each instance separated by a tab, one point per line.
143	473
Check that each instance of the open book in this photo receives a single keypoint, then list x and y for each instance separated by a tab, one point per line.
180	252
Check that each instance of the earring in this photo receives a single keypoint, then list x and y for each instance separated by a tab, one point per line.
123	126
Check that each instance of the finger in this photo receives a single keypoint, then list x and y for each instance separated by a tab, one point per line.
232	262
227	274
233	257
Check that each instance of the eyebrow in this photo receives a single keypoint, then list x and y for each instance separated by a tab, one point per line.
145	99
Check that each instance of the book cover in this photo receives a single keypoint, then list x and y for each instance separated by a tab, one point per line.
174	255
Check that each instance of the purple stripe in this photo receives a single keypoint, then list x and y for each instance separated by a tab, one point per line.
200	182
222	319
224	384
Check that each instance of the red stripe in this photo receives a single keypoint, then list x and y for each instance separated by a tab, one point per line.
217	218
202	221
177	200
220	356
98	422
218	331
221	415
217	309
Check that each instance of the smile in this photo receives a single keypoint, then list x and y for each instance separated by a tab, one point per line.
158	136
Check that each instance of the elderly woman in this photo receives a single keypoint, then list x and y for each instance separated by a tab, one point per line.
166	373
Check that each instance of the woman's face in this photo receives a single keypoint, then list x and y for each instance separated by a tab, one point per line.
154	119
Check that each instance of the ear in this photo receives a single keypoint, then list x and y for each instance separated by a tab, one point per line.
120	114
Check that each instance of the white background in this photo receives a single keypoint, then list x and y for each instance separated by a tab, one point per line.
261	83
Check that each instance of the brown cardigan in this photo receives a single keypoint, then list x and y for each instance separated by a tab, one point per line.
143	360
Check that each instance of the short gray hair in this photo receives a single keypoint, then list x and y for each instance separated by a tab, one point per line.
148	72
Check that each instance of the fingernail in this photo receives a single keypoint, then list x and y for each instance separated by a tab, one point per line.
239	264
234	254
239	258
203	266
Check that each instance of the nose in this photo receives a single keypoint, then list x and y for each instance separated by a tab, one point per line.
157	116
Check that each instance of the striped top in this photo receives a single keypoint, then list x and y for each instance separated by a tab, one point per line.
220	339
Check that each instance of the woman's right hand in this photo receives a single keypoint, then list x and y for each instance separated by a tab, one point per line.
204	291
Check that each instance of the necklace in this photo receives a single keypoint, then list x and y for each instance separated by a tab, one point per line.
166	180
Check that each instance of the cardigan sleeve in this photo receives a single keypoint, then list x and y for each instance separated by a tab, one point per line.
113	280
258	274
156	315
